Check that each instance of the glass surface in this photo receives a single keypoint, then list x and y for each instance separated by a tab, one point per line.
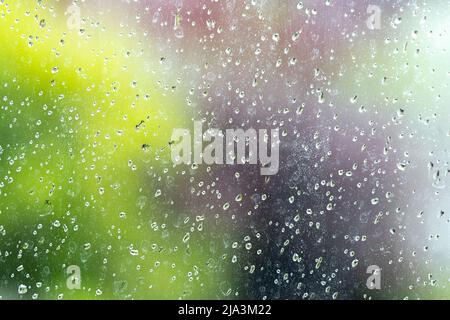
224	149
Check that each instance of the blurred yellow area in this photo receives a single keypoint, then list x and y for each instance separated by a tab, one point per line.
85	127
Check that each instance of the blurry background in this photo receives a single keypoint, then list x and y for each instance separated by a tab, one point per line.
91	91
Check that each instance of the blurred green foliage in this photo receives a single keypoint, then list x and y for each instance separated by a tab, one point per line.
85	131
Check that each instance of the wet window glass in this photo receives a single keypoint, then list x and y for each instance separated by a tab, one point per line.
199	149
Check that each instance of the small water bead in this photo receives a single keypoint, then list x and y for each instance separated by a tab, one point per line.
296	35
276	37
22	289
